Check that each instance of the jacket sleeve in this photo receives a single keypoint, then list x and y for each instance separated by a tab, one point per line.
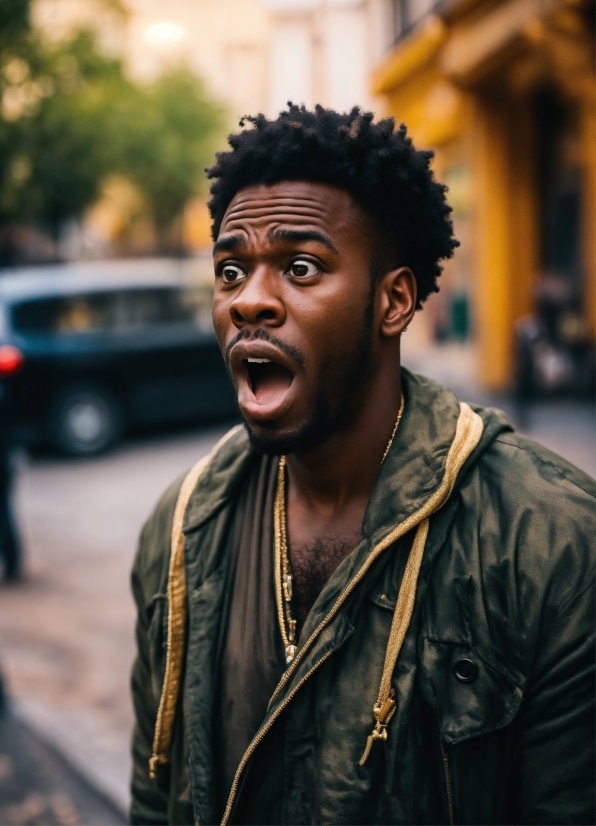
556	726
149	805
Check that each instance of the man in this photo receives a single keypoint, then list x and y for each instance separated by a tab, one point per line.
10	549
374	603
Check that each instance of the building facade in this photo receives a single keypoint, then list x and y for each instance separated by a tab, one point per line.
226	42
322	51
504	91
254	56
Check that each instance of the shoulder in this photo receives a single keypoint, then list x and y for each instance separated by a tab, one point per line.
544	471
150	568
541	495
210	479
535	517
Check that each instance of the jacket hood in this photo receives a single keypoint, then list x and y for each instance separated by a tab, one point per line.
415	465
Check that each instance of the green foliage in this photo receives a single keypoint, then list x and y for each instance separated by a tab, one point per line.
69	117
56	133
14	21
167	137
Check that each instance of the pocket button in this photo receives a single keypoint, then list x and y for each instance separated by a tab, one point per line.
465	670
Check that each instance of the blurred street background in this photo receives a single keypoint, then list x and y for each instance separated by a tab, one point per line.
111	383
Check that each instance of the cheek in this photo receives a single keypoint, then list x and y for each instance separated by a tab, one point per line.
221	316
331	316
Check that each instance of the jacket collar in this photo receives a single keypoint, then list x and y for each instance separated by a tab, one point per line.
415	464
221	479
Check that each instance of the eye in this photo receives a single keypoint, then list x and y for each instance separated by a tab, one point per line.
232	273
303	268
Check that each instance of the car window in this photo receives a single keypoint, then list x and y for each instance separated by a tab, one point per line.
102	311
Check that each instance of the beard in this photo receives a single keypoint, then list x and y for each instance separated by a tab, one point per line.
342	385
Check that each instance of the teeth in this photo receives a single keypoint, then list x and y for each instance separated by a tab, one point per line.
259	361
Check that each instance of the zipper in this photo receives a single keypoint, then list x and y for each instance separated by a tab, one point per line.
261	734
385	543
392	537
448	784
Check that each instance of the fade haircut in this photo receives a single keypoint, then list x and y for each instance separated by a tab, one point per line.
378	165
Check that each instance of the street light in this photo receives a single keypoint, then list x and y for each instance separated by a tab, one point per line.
164	34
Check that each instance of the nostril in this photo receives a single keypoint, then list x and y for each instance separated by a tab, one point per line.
266	315
237	317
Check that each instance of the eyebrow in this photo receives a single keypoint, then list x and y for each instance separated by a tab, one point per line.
229	243
300	236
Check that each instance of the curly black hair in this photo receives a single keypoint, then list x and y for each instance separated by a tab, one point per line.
377	164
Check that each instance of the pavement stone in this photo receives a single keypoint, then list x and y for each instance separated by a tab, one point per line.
39	788
67	630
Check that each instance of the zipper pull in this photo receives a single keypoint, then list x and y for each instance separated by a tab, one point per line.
367	748
378	733
383	714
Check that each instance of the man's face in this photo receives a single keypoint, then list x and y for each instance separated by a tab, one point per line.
293	310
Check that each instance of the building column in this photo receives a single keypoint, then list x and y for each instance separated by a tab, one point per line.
506	242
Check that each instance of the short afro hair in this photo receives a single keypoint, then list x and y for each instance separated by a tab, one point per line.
378	165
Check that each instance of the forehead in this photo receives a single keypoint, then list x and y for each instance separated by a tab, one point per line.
292	203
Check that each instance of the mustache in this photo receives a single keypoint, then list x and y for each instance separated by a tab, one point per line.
265	335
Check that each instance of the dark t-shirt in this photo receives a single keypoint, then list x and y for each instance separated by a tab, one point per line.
252	654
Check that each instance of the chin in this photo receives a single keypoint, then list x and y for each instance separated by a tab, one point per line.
267	438
270	441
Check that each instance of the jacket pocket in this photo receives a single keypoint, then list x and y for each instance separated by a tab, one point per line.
472	694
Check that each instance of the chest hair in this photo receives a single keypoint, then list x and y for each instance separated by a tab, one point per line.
312	564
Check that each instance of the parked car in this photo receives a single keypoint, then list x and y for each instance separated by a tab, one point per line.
90	351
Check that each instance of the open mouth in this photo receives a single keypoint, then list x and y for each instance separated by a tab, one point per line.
269	381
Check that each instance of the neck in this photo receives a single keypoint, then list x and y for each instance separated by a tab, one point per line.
343	469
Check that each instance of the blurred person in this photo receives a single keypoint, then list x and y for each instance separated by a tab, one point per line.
10	551
553	353
3	698
374	602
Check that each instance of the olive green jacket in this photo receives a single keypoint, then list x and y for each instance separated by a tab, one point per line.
494	681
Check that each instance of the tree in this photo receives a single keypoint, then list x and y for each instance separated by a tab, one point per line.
168	132
14	21
69	117
57	131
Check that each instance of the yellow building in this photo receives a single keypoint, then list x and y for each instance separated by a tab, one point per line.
504	91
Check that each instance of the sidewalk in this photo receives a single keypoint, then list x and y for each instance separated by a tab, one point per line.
38	788
67	630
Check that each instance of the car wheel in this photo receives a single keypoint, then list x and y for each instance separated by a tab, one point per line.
85	420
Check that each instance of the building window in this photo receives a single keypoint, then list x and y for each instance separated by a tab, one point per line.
407	14
401	20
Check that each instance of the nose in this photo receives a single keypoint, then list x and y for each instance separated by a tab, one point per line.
258	301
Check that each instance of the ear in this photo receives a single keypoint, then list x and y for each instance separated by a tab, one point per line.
397	293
